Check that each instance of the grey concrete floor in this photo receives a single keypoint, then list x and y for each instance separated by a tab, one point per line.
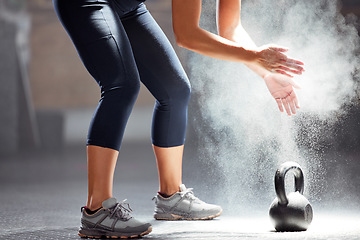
41	194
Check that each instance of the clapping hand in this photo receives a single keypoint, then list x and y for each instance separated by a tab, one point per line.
273	59
281	88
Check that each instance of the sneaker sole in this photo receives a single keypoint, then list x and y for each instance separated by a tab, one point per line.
102	234
174	217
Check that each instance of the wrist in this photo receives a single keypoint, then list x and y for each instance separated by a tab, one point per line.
258	69
251	56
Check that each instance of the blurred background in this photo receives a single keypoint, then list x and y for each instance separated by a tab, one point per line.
48	98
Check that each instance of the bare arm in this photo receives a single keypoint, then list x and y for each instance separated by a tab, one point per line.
186	16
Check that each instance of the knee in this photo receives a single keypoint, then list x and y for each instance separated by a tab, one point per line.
180	92
177	96
122	94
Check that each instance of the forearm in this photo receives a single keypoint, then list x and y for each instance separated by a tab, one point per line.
232	43
189	35
212	45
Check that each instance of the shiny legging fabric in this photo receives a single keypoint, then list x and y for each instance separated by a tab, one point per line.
120	44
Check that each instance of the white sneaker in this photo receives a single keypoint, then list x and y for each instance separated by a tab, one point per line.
184	205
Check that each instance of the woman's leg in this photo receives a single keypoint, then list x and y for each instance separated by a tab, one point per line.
104	48
169	163
161	72
101	167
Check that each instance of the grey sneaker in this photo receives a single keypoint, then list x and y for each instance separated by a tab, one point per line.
113	220
184	205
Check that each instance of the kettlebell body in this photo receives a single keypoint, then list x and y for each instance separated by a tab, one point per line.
291	212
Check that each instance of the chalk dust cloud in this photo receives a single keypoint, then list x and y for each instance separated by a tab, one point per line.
241	135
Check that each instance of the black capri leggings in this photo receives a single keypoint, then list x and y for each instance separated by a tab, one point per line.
120	44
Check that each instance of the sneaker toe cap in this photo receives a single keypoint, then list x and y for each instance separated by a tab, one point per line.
206	211
214	209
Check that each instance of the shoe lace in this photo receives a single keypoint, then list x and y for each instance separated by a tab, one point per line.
188	193
121	210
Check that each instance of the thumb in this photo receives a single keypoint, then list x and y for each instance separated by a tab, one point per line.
294	83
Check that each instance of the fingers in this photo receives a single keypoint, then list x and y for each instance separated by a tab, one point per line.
292	69
279	61
279	49
284	73
289	66
295	99
286	106
285	68
279	103
294	61
291	104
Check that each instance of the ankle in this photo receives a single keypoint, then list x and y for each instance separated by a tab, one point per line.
94	207
90	212
95	203
169	191
164	195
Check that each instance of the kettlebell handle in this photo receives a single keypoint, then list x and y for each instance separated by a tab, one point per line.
280	180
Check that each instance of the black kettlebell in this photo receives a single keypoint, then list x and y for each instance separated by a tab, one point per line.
291	212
